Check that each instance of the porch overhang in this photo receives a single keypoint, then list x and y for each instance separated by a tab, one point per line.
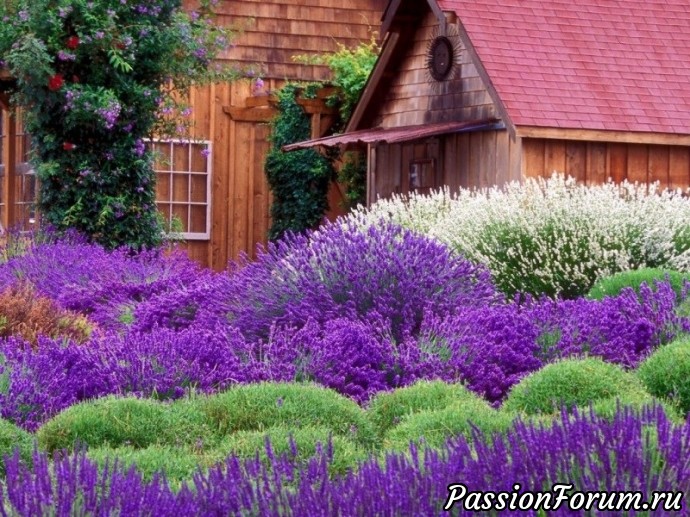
395	135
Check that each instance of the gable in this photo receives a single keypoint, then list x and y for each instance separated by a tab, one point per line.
413	97
591	64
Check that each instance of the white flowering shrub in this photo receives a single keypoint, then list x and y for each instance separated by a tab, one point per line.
554	236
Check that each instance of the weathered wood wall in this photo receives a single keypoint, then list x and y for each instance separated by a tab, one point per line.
476	159
415	98
595	162
273	31
234	117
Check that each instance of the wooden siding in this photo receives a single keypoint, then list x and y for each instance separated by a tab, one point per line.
478	159
415	98
236	121
234	117
595	162
274	31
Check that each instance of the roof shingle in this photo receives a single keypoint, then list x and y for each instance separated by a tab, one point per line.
621	65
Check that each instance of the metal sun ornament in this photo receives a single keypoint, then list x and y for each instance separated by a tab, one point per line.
442	57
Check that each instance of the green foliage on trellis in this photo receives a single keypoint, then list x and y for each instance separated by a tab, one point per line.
299	180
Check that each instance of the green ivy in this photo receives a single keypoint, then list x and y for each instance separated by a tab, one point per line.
95	82
299	180
350	69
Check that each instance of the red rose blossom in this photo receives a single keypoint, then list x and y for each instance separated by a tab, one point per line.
68	146
73	42
56	82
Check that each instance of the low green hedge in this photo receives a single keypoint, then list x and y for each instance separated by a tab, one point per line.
247	444
570	383
388	409
666	373
256	407
434	428
13	438
115	422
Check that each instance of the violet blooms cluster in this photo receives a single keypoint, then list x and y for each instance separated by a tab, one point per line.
591	453
38	383
384	273
98	283
359	311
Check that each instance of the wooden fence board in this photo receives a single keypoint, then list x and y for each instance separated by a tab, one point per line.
638	164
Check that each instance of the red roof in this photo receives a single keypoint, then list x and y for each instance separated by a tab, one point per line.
394	135
595	64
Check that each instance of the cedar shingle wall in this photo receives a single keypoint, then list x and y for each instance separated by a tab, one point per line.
415	98
275	31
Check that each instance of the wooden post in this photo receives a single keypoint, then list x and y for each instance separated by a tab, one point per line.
9	158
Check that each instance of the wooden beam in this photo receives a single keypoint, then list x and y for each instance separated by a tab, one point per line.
440	16
388	16
486	79
374	79
592	135
240	114
9	159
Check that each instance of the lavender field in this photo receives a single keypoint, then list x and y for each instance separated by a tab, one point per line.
356	370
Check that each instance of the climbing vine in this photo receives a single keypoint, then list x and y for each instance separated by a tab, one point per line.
350	69
96	79
299	180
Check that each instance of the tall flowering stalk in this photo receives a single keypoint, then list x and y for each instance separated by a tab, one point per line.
634	452
94	78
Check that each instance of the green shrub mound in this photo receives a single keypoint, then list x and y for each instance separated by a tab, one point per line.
247	444
666	373
570	383
11	439
613	285
637	402
115	422
256	407
178	464
388	409
434	428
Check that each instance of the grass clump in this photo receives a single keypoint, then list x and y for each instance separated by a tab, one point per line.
434	428
666	373
614	284
570	383
257	407
115	422
13	438
637	402
179	464
299	444
386	410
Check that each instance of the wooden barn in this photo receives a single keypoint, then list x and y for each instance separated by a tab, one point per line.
471	93
223	202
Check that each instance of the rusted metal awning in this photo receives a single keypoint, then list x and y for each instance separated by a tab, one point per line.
395	134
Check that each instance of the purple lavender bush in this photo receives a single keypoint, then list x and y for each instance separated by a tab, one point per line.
98	283
621	329
37	383
633	452
384	274
164	364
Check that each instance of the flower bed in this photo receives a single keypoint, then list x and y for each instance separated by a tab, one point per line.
361	310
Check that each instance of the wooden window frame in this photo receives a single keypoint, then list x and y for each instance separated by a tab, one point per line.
419	163
169	202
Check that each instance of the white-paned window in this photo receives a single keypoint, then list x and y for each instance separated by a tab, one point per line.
183	185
